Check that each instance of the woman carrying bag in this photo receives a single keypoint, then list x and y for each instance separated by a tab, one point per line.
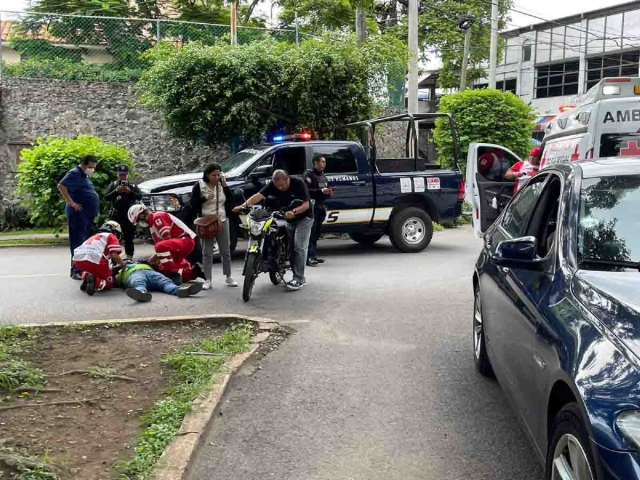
213	202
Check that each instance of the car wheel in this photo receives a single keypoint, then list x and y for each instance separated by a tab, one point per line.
480	356
411	230
569	455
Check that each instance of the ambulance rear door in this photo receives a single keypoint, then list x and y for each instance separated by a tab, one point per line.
618	128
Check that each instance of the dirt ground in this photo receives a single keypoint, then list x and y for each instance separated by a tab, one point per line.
90	438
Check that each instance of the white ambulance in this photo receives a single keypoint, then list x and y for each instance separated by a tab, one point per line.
604	123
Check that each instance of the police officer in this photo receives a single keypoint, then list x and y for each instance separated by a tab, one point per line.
123	195
319	190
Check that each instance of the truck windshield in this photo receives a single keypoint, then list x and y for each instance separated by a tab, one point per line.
238	163
609	228
620	144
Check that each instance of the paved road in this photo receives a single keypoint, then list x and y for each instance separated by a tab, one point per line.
378	382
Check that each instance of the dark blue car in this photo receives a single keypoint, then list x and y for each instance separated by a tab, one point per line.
557	316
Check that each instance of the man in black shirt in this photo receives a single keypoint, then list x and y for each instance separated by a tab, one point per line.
123	195
318	190
285	190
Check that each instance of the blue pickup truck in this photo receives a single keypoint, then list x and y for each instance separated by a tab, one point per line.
399	196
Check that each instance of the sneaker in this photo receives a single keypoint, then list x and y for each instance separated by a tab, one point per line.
319	260
102	286
206	285
231	282
91	284
83	285
192	289
138	295
75	275
294	285
312	262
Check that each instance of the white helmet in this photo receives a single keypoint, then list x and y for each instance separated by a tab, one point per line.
134	212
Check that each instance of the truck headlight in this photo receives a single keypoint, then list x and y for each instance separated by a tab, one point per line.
165	203
629	424
256	228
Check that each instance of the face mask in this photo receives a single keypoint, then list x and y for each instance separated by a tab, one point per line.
90	171
142	223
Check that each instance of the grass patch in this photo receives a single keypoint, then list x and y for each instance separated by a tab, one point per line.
15	372
24	467
33	231
190	377
34	241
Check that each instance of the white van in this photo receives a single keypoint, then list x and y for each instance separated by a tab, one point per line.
605	123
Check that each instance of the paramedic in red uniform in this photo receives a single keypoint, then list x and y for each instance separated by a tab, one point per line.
522	171
174	241
92	258
492	165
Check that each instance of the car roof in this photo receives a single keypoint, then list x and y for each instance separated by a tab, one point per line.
610	166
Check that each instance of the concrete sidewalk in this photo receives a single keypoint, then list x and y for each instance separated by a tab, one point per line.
34	236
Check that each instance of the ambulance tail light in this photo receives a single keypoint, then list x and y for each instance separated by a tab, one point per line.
461	190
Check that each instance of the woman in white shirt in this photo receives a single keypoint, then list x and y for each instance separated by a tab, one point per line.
212	196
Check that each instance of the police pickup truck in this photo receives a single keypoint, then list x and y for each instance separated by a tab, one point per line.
375	195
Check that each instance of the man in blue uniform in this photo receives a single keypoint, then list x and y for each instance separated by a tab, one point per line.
83	204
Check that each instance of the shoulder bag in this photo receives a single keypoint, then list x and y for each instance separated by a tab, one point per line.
210	226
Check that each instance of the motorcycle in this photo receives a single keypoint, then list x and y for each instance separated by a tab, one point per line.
268	249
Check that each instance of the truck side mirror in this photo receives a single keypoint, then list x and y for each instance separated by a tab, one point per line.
262	171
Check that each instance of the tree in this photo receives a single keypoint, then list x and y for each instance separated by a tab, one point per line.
46	163
212	94
487	116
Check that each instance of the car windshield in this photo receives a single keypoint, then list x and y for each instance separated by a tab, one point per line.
609	228
238	163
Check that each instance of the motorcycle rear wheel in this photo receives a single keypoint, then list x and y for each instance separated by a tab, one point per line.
250	275
275	278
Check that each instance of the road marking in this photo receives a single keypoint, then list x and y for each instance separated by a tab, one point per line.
33	275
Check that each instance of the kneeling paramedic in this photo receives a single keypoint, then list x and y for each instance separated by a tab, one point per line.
93	256
139	279
174	241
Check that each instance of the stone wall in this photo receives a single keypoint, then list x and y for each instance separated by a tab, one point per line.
31	108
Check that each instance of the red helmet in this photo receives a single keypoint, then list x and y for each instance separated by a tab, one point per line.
485	162
535	152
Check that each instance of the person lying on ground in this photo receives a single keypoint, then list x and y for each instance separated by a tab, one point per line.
139	279
93	256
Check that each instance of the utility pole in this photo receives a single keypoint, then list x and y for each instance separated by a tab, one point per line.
234	23
297	31
493	49
361	29
413	56
465	25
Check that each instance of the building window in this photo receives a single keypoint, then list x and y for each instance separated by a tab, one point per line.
557	80
526	52
509	85
617	65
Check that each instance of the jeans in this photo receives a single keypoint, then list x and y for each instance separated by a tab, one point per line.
299	234
225	251
80	224
319	214
151	281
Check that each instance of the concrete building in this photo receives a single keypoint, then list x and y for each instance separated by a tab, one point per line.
550	63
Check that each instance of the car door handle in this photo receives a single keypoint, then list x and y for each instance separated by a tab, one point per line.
359	182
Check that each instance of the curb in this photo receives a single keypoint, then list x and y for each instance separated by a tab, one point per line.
176	458
33	245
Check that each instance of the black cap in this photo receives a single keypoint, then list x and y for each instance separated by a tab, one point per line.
123	168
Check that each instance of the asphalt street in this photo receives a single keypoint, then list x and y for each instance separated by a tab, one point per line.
377	382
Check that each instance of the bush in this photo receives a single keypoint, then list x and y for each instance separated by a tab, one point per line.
486	116
44	165
214	93
66	69
15	217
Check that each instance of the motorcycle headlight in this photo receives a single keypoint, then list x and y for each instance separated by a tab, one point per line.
629	424
256	228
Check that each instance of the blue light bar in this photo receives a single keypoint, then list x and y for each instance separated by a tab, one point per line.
278	138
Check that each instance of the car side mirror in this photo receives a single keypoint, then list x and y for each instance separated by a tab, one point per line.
261	172
518	253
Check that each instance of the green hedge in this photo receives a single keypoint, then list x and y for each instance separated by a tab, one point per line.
66	69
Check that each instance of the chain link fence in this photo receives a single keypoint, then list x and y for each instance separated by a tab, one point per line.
98	48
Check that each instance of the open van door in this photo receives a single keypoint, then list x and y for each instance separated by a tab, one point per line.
487	191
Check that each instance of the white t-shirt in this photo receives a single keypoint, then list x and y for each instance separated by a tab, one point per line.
209	206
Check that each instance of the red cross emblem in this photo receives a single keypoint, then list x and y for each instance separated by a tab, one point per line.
575	155
632	148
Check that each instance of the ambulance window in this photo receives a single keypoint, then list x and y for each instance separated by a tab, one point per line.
619	145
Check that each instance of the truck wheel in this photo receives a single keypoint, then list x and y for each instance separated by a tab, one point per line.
411	230
366	238
233	235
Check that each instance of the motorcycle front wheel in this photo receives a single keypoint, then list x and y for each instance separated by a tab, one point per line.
250	275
